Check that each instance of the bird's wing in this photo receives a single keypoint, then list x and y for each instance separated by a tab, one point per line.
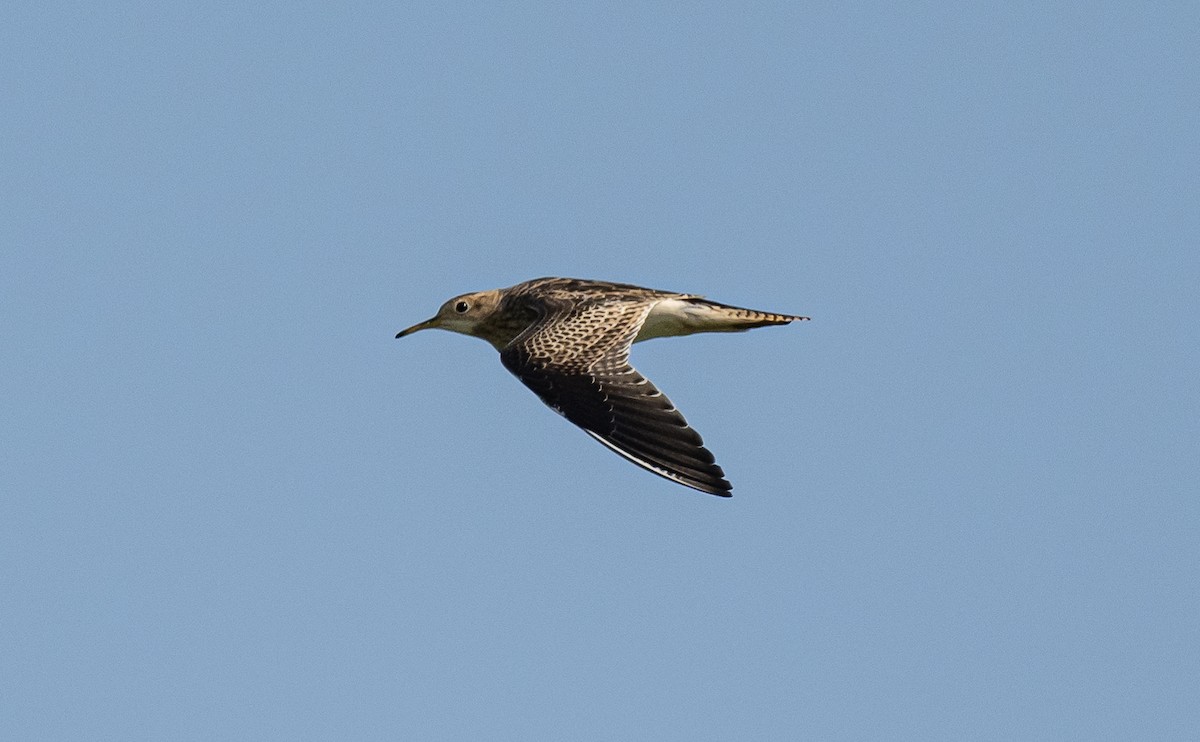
576	359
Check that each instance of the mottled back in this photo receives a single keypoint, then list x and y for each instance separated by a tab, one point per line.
576	359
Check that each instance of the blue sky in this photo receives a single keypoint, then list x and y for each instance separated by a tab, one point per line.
232	506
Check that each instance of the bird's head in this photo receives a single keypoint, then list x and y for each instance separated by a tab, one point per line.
465	314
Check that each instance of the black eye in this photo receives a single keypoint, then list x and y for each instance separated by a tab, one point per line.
461	307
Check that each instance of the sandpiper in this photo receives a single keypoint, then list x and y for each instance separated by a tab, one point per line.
568	340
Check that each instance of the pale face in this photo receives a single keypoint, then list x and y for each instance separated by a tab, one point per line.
461	314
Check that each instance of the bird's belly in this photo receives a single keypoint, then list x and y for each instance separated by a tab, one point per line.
670	317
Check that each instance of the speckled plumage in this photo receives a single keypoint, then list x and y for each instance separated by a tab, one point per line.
568	340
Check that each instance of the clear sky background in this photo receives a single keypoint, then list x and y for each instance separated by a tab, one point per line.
966	506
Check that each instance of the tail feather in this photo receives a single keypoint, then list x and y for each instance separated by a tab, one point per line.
741	318
687	315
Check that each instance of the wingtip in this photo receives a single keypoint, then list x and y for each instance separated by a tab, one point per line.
725	490
718	487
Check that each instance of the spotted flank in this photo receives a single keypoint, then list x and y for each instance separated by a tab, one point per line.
568	340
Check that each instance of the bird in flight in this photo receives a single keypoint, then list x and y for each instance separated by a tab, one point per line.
568	340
